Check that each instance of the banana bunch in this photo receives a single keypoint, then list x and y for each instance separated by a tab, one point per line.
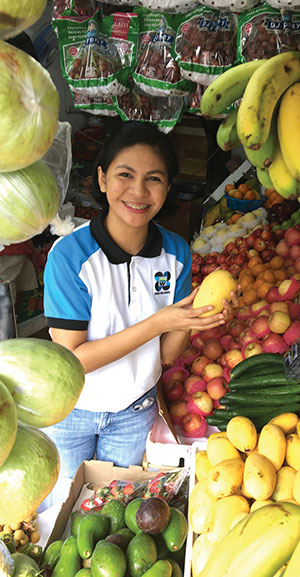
267	120
245	505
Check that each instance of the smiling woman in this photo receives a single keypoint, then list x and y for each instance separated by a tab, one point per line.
117	294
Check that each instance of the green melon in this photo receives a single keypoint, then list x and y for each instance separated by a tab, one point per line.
28	475
8	422
44	378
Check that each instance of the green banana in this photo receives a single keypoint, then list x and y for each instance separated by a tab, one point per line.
227	88
258	545
263	176
261	95
283	181
227	138
263	157
293	567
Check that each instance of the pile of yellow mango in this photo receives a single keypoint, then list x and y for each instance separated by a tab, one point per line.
243	471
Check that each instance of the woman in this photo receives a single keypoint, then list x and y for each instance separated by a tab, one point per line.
117	294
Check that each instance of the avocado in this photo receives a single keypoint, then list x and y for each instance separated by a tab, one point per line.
76	517
141	553
127	532
114	512
178	556
175	533
91	529
83	573
130	515
176	570
69	560
153	515
162	549
162	568
108	560
119	539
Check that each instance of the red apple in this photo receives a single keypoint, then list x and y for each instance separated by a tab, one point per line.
274	343
195	267
208	268
295	252
211	258
235	327
194	425
251	252
260	327
221	258
279	233
233	357
194	383
282	249
212	370
234	269
279	306
253	348
292	236
279	322
178	410
267	234
198	342
225	340
267	254
272	294
250	240
173	390
258	307
297	261
239	259
222	361
257	232
216	388
213	333
246	337
259	244
199	364
212	349
200	403
289	289
230	248
234	344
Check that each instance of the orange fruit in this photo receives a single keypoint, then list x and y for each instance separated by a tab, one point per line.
280	274
253	261
237	194
268	192
269	276
257	269
250	195
229	187
258	283
276	262
264	288
235	217
250	296
246	281
243	188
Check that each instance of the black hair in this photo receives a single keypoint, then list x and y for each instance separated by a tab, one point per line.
129	134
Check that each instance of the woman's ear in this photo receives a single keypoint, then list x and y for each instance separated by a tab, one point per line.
101	179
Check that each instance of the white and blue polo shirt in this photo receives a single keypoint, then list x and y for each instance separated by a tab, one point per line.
92	284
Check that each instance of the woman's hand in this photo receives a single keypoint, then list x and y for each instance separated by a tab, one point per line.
232	304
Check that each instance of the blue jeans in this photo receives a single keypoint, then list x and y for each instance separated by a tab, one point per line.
117	437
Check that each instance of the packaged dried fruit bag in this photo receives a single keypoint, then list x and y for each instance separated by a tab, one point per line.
156	72
97	53
264	32
99	106
165	111
205	44
195	102
73	7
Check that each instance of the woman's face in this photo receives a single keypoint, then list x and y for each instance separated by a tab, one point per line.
136	185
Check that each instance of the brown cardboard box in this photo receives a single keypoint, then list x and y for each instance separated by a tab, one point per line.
191	146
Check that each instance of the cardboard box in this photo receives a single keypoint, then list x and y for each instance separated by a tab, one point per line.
191	146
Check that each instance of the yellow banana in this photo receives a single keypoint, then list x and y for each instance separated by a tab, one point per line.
293	567
263	157
263	176
227	88
289	129
261	95
227	138
285	184
259	545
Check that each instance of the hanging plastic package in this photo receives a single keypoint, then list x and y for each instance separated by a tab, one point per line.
31	197
205	44
97	53
73	8
99	106
264	32
165	111
170	6
194	105
29	106
157	73
233	5
17	15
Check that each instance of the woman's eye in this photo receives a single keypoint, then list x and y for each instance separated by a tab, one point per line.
125	174
154	178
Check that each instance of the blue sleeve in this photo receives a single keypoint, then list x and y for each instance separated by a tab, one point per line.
184	281
65	294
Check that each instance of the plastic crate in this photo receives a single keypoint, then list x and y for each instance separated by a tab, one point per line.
241	205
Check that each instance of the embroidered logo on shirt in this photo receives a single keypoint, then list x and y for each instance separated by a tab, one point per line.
162	282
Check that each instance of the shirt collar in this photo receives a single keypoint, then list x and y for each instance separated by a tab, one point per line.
114	253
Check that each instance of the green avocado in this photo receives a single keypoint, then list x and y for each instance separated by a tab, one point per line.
141	553
91	529
175	533
108	560
130	515
162	568
114	512
69	560
76	517
162	549
83	573
176	570
127	532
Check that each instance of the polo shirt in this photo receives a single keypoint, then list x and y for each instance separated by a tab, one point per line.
92	284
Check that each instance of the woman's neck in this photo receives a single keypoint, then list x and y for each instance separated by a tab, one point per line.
129	239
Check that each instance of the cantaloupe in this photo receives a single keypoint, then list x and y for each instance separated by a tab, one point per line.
214	288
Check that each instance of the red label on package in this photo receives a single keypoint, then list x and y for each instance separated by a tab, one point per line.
120	26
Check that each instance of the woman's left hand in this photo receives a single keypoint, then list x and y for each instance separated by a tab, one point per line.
231	305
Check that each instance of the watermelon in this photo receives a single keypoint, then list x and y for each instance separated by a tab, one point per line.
8	422
28	475
44	378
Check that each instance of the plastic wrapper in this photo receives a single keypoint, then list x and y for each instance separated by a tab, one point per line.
59	157
233	5
264	32
97	53
205	44
29	106
165	111
17	15
165	485
285	4
170	6
99	106
156	72
77	8
195	102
